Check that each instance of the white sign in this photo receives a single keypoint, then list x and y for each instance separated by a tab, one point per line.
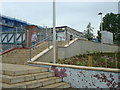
107	37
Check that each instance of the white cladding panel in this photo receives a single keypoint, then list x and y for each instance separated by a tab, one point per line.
107	37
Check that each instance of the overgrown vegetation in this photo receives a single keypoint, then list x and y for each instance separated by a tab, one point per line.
108	60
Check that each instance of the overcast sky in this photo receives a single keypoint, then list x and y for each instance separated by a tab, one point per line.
76	15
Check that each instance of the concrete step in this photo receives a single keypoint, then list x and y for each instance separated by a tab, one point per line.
58	85
15	61
24	78
23	72
17	70
20	56
33	84
17	51
15	57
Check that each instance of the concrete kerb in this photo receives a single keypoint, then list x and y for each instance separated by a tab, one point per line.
77	67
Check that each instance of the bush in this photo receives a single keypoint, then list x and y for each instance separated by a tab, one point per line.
99	60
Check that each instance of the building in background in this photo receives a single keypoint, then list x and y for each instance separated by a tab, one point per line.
10	24
65	33
17	33
13	32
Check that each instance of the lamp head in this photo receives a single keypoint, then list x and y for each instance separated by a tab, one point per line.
100	13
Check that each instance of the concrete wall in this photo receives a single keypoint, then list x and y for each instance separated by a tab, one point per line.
46	57
80	78
76	48
83	47
84	77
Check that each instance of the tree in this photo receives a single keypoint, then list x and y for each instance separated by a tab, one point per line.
111	23
88	33
99	36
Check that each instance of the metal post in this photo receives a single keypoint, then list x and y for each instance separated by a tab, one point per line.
48	43
101	30
16	38
116	61
102	37
46	31
30	53
54	33
27	37
1	42
101	20
101	23
61	41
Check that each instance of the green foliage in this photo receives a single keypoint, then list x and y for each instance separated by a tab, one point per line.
65	61
111	64
81	56
88	33
81	63
88	52
99	60
111	23
99	36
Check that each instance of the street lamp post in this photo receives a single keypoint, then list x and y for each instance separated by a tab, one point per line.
101	30
54	33
101	21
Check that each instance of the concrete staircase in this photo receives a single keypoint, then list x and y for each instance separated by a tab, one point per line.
21	56
23	76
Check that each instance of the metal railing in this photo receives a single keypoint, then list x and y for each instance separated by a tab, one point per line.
47	42
12	39
41	45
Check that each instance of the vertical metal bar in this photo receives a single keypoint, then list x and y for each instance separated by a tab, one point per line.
102	37
61	41
22	41
27	37
7	37
46	31
30	53
101	23
1	41
101	29
116	60
29	45
48	43
54	33
16	38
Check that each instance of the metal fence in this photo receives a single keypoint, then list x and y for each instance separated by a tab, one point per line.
12	39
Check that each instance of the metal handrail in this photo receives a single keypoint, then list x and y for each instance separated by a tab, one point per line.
48	38
43	40
38	44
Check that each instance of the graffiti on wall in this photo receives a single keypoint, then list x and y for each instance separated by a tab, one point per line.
79	78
